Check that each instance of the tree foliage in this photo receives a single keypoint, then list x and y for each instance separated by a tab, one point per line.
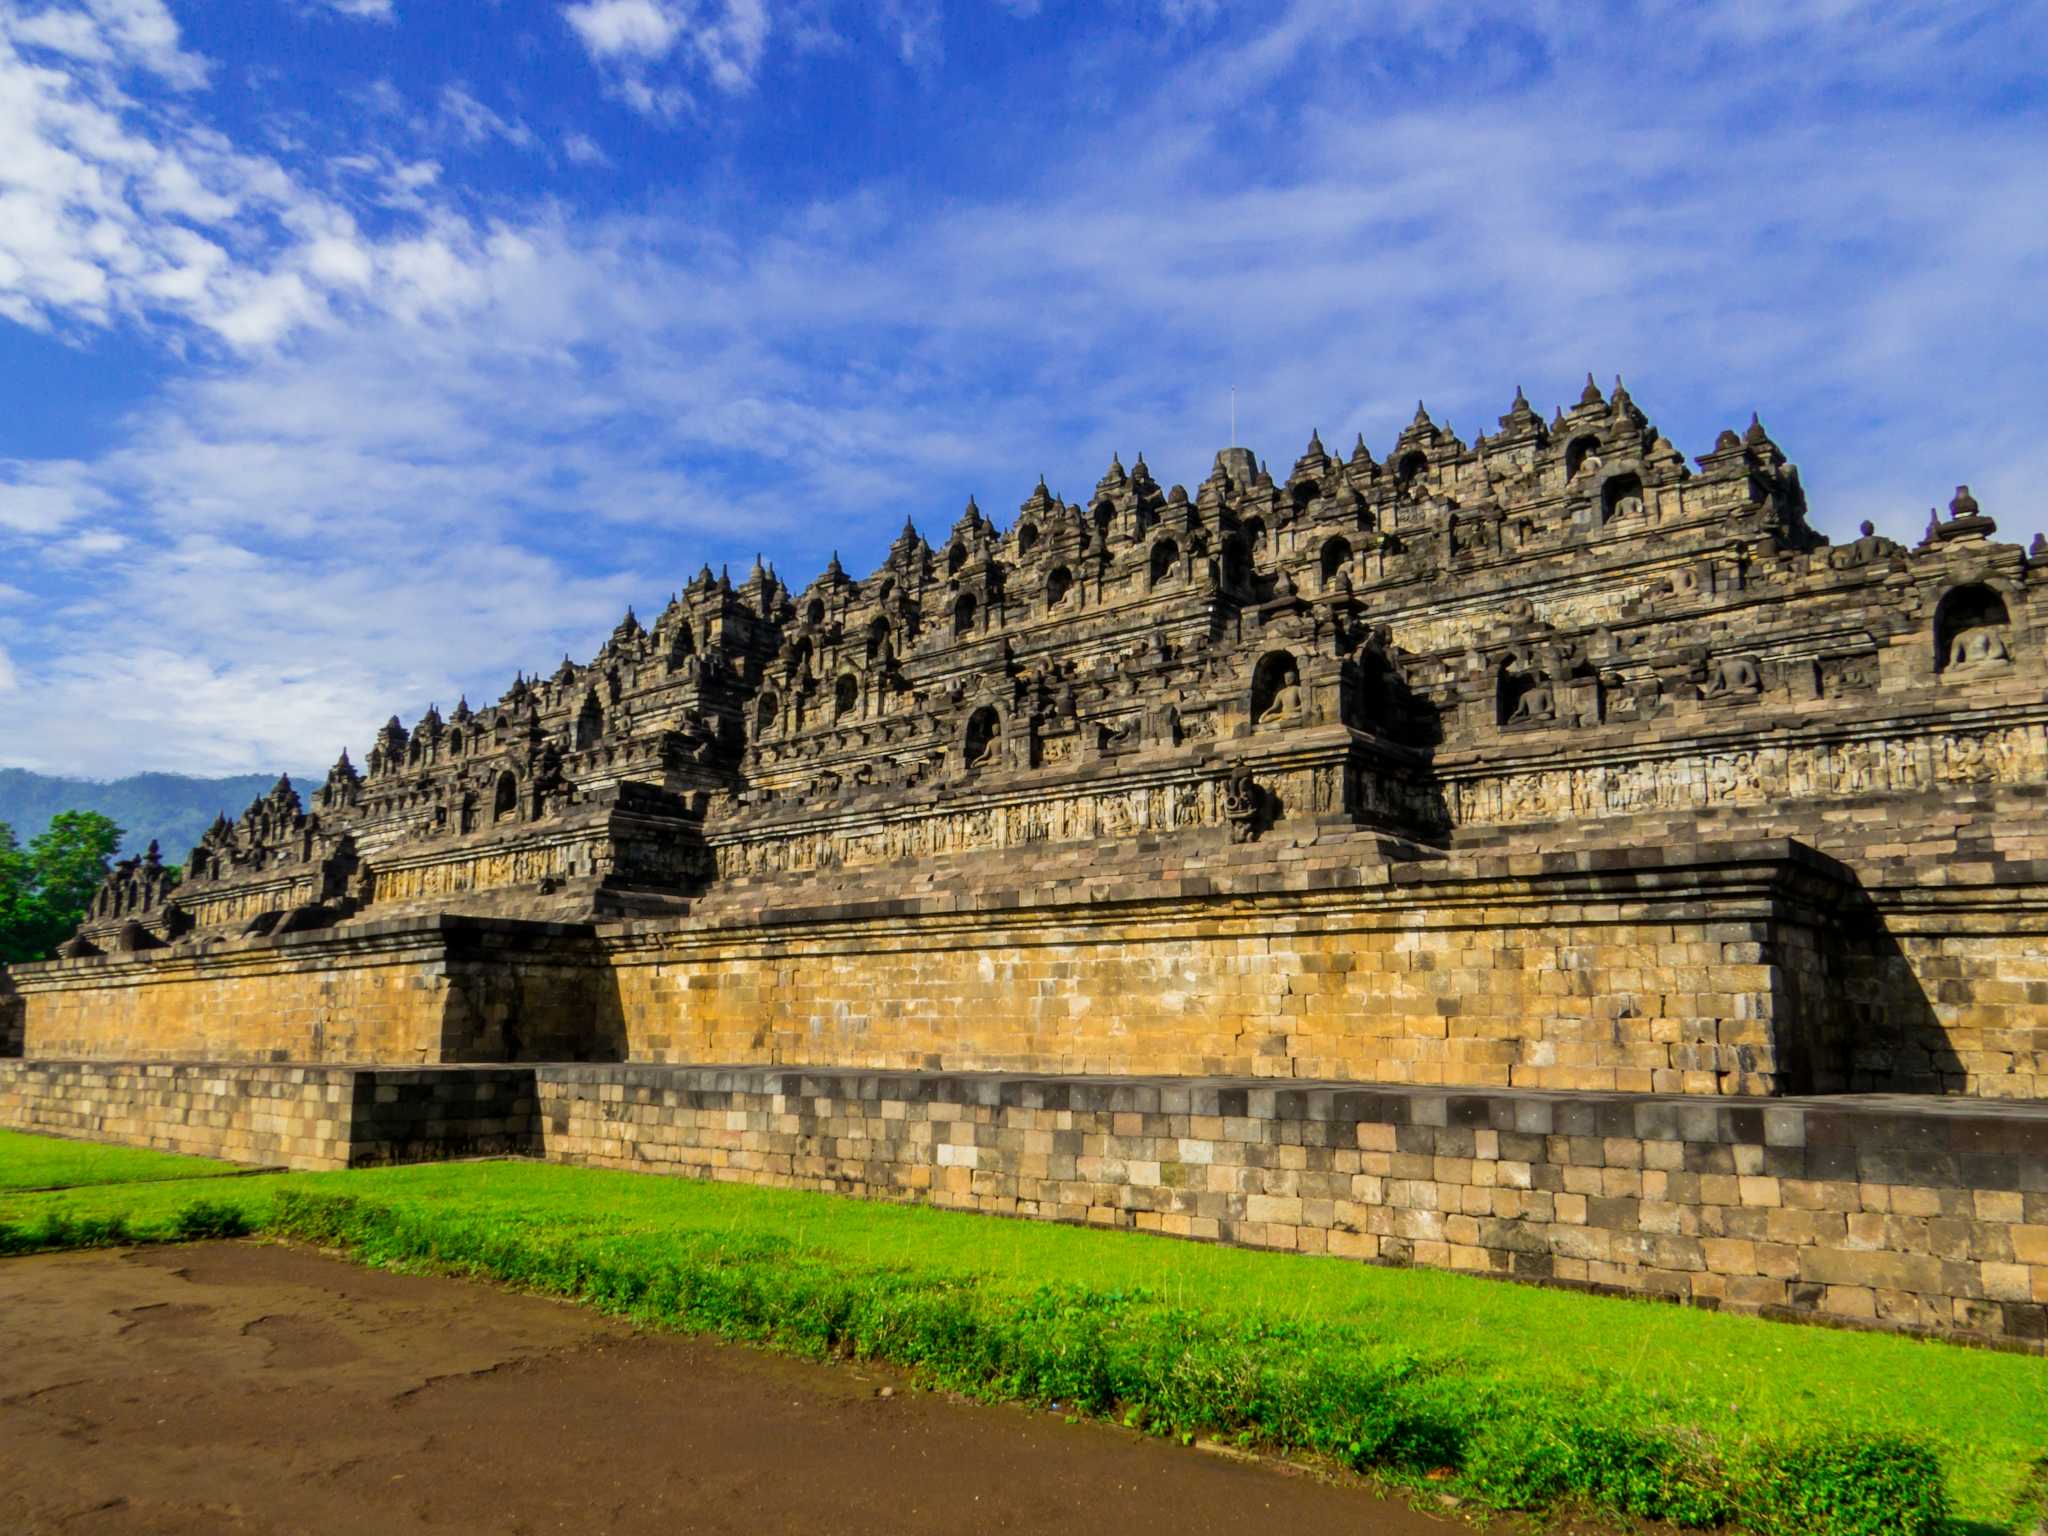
44	887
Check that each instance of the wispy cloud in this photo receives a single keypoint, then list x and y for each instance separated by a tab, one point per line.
718	41
362	10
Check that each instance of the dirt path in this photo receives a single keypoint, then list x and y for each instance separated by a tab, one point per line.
238	1387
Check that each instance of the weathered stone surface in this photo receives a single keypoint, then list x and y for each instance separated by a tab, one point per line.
1315	1169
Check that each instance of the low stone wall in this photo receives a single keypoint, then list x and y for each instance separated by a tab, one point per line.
292	1117
1929	1215
1892	1212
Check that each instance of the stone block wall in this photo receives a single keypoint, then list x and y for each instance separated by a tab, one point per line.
1882	1211
1670	971
293	1117
12	1021
411	992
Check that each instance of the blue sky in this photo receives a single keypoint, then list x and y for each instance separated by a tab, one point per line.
354	353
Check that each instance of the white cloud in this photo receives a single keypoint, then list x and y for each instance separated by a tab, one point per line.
476	124
449	446
363	10
581	149
723	41
612	29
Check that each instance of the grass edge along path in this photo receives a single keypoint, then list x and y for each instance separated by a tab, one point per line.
1321	1388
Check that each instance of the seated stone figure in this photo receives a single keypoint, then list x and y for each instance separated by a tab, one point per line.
1732	677
991	754
1867	550
1980	648
1289	704
1538	702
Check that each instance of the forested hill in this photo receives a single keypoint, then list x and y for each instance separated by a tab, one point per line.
170	807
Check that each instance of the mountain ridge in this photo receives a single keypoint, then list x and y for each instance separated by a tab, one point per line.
172	809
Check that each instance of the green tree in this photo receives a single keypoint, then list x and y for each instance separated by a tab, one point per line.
45	887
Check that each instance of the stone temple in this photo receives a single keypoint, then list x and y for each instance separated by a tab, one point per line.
1539	855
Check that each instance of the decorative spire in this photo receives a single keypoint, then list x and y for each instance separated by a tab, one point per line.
1421	423
1360	454
833	567
2038	550
1756	436
1590	395
1964	504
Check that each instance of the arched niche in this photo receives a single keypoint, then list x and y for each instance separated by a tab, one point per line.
1254	529
1277	696
1576	452
454	742
1105	519
963	616
1027	538
1413	465
1058	583
814	611
468	817
589	723
1972	629
955	558
1335	557
1517	695
1237	561
505	799
1621	496
982	743
878	638
1165	558
845	695
682	645
767	709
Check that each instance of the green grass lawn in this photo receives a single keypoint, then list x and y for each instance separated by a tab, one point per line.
1730	1379
52	1162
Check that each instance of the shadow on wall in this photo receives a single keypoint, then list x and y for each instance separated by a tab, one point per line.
519	998
13	1019
1877	1029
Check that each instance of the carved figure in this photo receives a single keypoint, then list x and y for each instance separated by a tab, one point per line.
1732	676
1538	701
1289	704
1983	647
1244	805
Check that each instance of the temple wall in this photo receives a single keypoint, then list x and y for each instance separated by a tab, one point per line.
1638	974
417	992
1753	969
